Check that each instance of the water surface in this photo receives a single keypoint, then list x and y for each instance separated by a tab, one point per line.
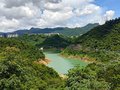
61	64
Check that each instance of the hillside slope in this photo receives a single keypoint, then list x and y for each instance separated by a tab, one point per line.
20	68
100	44
105	36
55	41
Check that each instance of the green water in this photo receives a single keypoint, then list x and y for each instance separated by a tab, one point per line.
61	64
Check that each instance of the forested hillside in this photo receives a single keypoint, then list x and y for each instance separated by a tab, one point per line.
47	41
96	76
105	36
99	43
19	67
26	50
33	39
20	70
55	41
101	47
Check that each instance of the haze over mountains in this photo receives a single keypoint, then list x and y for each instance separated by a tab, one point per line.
61	30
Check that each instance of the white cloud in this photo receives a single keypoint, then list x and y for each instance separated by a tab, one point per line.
109	14
87	10
19	14
6	24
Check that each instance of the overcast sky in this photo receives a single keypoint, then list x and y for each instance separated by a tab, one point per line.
24	14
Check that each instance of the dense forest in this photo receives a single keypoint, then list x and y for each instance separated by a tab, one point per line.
53	42
105	36
101	46
96	76
101	43
20	70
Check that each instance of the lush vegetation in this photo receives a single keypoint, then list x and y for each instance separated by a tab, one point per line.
19	69
48	42
26	50
105	36
91	54
102	46
55	41
33	39
101	43
95	77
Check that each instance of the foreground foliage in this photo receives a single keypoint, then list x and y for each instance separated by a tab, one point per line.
20	71
95	77
19	68
101	45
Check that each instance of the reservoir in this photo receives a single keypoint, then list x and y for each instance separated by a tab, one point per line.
62	65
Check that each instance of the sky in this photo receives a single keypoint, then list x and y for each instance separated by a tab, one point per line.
24	14
110	5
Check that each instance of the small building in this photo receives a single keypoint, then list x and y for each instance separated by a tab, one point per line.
49	34
41	48
8	35
12	35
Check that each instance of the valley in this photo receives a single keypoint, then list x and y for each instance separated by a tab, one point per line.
59	44
90	61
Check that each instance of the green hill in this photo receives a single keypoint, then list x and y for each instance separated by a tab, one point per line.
105	36
102	43
20	69
100	46
55	41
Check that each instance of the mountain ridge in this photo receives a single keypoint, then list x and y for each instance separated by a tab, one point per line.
61	30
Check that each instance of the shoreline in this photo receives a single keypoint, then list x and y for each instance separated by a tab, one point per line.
44	61
77	57
63	76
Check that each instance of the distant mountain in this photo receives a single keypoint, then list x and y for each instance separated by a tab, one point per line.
64	31
105	36
76	31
